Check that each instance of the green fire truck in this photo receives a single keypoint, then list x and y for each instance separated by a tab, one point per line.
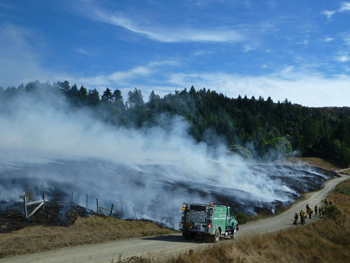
208	219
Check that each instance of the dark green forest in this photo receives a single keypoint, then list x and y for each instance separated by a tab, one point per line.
255	128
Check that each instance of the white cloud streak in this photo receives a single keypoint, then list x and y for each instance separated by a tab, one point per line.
328	39
328	14
164	34
84	51
306	89
343	58
122	79
345	7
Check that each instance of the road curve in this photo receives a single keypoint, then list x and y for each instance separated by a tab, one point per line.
161	247
285	220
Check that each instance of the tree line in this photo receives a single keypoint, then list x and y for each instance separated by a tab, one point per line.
252	127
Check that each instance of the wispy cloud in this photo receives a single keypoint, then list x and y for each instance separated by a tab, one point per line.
120	79
328	39
298	87
250	47
269	27
344	58
164	34
344	7
346	39
84	51
328	14
202	52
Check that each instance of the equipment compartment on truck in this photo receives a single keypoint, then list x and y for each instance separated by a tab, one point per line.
208	219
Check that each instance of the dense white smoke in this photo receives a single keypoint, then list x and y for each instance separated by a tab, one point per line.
147	171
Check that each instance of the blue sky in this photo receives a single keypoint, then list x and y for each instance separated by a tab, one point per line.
299	50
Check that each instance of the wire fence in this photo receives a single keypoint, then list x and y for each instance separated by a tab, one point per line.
62	205
59	211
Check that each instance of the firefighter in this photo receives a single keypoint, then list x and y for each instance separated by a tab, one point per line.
302	217
307	207
315	209
320	210
323	211
310	213
295	218
326	202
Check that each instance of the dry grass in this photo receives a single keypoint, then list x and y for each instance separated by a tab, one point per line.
318	162
323	241
89	230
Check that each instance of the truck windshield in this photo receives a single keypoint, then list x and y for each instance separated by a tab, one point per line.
197	208
233	212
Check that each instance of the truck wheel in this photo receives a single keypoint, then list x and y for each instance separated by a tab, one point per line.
186	235
216	238
233	234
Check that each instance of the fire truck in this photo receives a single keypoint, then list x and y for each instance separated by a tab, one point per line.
211	219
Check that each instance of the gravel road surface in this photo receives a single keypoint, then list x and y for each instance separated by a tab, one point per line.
162	247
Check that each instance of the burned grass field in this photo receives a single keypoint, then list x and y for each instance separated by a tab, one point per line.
51	214
156	192
59	226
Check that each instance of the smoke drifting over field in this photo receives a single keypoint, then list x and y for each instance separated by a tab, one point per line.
147	171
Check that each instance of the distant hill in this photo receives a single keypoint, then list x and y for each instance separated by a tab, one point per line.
257	128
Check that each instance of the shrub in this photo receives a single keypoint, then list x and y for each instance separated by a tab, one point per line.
332	211
241	218
342	191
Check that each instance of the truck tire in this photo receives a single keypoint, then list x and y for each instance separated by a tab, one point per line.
216	237
186	235
233	234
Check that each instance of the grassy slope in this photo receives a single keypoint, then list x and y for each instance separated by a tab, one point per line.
94	229
324	241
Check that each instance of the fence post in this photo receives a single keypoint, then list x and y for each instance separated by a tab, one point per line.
135	213
25	205
43	201
110	214
72	197
97	206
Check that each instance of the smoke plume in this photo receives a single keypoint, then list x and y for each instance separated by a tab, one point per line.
149	172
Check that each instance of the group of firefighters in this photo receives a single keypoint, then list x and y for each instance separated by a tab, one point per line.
321	212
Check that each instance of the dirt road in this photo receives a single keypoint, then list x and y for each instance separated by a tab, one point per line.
162	247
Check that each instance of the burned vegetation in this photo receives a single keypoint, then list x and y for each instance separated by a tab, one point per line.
53	213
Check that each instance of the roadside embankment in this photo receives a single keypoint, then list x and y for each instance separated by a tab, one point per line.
326	240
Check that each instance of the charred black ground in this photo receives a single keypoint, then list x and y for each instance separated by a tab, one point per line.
52	214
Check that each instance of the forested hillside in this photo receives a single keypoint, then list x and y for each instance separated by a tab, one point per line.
252	127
